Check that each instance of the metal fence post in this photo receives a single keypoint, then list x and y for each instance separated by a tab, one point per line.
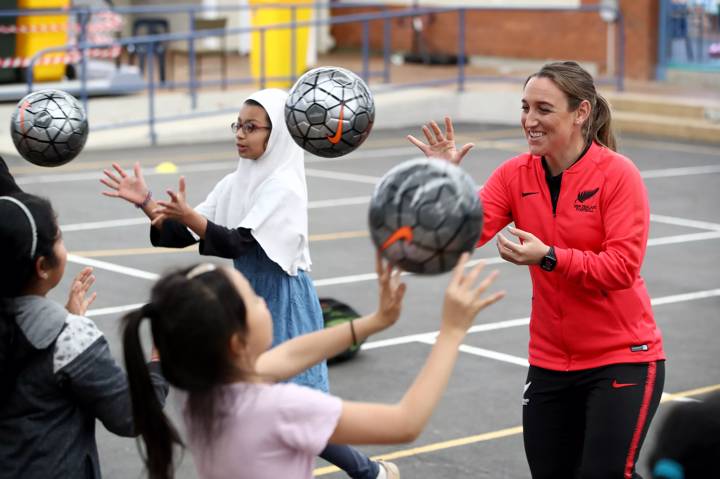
262	58
84	17
662	52
366	51
191	61
293	42
620	79
387	41
151	93
461	50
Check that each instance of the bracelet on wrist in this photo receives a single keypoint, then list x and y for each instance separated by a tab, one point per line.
352	331
145	202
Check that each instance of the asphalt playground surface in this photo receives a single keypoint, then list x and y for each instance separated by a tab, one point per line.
475	432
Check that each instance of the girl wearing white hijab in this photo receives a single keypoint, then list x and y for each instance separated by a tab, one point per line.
257	216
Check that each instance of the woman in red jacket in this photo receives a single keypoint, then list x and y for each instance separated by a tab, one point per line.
581	216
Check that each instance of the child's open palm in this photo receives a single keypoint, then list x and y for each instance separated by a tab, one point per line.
464	300
176	209
392	291
78	300
130	188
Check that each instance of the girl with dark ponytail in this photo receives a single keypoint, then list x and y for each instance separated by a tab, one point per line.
581	213
57	375
213	332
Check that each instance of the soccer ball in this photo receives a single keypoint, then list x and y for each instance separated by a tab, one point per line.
49	127
329	111
424	214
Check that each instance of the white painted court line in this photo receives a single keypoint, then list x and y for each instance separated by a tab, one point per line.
678	298
673	220
362	200
104	265
115	268
686	238
98	225
336	175
429	337
113	310
355	278
686	171
201	167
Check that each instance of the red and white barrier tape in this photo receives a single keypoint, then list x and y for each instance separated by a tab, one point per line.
105	22
69	57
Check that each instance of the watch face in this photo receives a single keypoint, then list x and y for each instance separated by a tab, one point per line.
547	263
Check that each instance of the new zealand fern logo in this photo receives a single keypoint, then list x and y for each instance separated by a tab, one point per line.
582	197
586	195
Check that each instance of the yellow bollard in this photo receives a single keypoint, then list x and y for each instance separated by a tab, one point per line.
27	44
277	49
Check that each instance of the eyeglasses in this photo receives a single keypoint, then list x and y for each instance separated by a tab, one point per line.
247	127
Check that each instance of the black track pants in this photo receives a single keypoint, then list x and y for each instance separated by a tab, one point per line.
591	423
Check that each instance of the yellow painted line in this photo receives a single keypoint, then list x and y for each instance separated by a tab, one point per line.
489	436
463	441
691	393
102	253
340	235
106	164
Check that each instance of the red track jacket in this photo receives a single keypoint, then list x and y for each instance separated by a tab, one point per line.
593	309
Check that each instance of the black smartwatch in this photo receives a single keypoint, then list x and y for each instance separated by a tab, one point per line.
549	260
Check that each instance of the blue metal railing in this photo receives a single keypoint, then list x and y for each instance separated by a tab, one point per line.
364	19
688	36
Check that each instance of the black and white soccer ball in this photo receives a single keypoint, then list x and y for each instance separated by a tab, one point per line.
424	214
49	127
329	111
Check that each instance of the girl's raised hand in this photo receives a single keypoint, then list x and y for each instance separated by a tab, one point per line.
441	145
392	291
176	209
130	188
78	302
464	300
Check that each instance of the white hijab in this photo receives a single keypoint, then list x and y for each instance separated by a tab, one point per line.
268	195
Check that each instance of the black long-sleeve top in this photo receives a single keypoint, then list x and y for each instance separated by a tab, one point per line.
7	182
219	240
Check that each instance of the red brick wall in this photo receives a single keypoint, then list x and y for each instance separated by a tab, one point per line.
525	35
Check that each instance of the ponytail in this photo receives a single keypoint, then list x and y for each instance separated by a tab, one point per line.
150	422
193	315
600	128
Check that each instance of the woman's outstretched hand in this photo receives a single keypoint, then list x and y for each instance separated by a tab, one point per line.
130	188
441	145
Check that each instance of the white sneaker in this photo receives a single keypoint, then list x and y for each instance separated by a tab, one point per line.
391	470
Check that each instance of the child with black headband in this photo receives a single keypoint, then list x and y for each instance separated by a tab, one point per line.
57	375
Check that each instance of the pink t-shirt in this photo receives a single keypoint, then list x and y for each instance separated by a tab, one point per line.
268	431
